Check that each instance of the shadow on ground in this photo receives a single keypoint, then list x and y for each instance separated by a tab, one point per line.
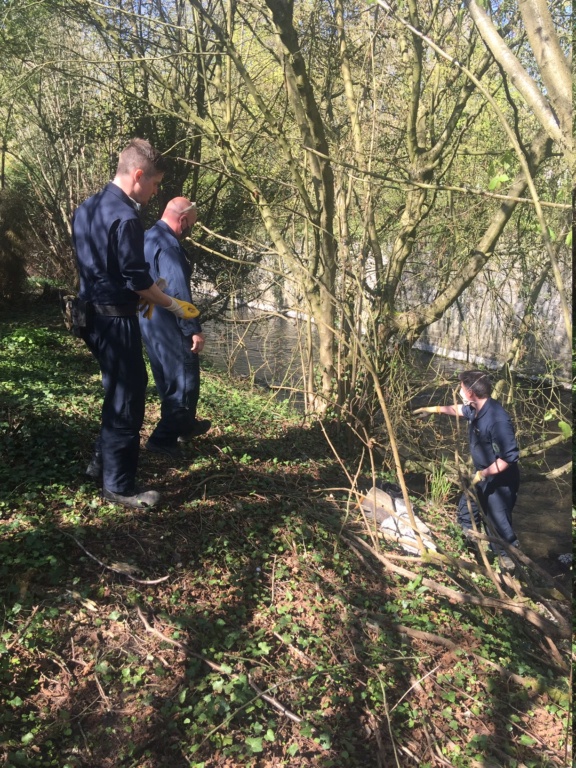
139	638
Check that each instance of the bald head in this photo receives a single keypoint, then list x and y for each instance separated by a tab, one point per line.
180	215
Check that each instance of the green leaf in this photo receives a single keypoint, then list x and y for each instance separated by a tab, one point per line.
526	740
411	586
254	743
565	428
325	740
497	181
569	238
264	648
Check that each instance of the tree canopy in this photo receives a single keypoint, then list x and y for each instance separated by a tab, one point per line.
380	164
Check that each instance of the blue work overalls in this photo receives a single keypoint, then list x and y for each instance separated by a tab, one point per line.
109	243
491	436
168	339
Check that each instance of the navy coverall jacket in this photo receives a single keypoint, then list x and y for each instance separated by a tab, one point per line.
109	243
492	437
168	338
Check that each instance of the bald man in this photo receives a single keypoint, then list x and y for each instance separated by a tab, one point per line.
173	344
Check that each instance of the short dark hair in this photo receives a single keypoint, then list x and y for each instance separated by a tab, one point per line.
477	382
139	153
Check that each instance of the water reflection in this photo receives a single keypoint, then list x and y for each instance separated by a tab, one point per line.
264	347
269	349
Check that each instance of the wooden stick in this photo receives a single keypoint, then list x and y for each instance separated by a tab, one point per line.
446	643
115	569
274	702
12	643
184	647
563	630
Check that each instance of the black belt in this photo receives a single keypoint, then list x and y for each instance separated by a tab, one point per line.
116	310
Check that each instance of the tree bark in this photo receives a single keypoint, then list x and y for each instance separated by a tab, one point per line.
322	267
548	54
412	323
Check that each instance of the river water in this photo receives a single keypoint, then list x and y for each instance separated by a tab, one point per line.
265	349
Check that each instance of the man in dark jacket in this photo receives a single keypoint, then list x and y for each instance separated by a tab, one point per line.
495	455
173	344
109	244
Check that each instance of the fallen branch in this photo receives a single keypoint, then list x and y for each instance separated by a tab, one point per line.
540	447
274	702
117	568
557	591
529	563
20	634
296	651
181	646
102	693
206	480
559	471
528	682
534	618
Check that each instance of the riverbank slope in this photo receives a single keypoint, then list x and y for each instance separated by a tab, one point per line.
250	620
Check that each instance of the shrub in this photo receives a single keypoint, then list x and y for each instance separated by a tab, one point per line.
13	246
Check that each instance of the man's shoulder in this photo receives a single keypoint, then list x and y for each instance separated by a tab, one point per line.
117	200
110	200
90	202
496	411
161	236
496	407
156	230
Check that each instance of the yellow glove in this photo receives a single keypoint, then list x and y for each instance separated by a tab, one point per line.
145	306
183	309
478	477
428	409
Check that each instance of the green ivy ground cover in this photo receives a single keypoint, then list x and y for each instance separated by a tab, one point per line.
235	625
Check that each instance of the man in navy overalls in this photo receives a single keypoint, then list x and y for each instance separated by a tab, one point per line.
495	455
109	244
173	344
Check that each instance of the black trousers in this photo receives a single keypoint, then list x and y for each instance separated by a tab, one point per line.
116	344
497	497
